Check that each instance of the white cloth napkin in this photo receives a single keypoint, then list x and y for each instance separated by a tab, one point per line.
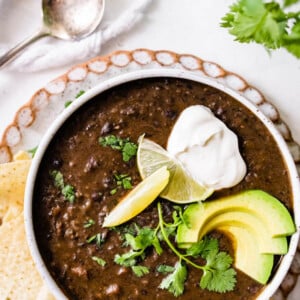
51	52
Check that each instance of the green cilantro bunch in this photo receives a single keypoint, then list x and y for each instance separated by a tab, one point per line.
266	23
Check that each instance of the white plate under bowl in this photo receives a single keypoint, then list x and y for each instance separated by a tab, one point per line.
285	262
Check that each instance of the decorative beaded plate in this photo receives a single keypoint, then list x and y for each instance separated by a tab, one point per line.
32	119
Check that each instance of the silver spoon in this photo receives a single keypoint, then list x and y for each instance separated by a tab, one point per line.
64	19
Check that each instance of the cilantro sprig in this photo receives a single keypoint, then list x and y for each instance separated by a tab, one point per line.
127	148
143	239
265	23
218	275
67	190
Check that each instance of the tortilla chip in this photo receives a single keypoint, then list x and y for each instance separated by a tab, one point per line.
12	184
22	155
19	278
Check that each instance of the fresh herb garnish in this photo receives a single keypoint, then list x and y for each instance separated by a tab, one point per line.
67	190
218	275
287	3
113	191
80	93
165	269
69	102
97	239
99	261
174	282
69	193
127	148
265	23
144	238
88	223
32	151
140	271
123	181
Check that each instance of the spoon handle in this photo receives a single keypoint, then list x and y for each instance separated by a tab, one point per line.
10	54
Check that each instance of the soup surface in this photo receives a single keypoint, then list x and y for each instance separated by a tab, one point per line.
71	236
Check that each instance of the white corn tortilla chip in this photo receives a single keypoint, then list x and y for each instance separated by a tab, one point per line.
12	184
19	279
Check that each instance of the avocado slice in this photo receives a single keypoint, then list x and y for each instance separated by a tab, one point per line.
256	202
248	258
252	223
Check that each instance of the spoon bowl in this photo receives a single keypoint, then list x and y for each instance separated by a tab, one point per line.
70	19
64	19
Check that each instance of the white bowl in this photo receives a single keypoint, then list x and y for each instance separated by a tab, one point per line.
287	259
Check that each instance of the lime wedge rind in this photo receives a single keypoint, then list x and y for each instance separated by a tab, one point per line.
139	198
182	188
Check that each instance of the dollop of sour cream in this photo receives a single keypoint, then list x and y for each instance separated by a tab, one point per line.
206	148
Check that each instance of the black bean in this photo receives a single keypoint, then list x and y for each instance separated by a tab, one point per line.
171	114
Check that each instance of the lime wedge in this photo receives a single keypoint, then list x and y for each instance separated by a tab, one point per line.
139	198
182	188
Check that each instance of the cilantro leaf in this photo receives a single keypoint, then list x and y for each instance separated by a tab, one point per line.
219	281
127	259
124	180
80	93
265	23
289	2
165	269
174	282
97	239
67	190
58	178
203	248
218	276
129	150
140	271
292	41
222	261
127	147
205	279
88	223
99	261
68	103
145	238
69	193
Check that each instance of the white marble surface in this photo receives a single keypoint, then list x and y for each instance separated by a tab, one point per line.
190	26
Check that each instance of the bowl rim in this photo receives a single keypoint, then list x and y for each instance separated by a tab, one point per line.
287	259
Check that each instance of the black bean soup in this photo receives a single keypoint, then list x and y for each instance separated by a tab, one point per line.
70	234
